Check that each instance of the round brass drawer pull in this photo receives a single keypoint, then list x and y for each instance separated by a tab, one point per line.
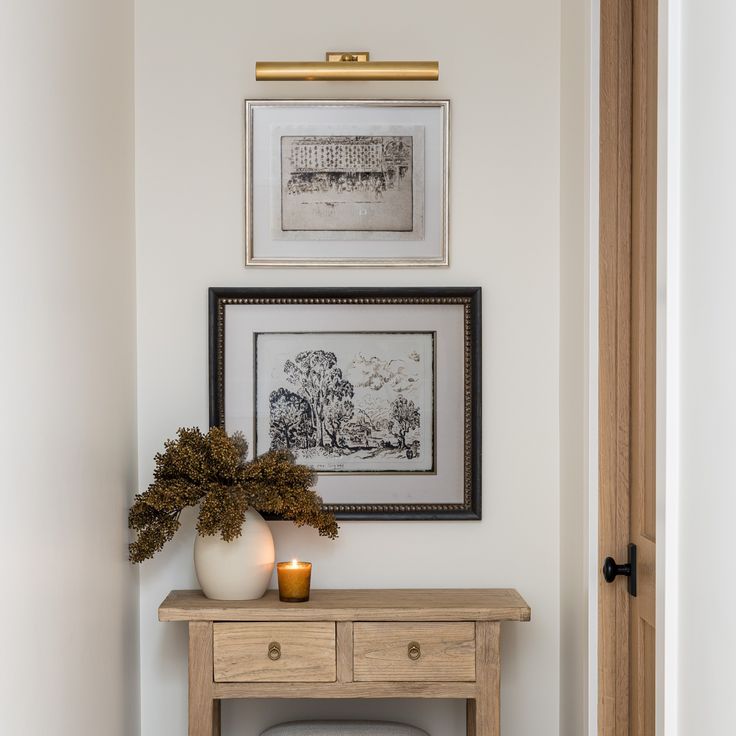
274	651
414	651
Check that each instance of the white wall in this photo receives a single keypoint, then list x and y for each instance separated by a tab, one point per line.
575	141
68	631
500	65
707	370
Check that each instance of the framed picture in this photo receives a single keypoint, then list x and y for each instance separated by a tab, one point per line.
378	390
346	182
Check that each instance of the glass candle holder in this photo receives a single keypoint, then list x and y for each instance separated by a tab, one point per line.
294	580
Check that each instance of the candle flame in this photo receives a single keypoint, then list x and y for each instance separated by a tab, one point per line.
294	563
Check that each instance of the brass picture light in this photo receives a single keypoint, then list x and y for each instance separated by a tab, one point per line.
342	66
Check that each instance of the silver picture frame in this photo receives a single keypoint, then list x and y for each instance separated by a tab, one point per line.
352	181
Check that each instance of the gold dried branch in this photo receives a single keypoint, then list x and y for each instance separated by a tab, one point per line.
210	470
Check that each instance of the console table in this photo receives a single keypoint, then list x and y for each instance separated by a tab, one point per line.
347	644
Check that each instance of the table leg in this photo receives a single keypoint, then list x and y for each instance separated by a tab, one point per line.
204	710
483	714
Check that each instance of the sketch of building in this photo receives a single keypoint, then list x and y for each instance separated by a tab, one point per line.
348	183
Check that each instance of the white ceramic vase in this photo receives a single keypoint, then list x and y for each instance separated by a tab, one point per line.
239	570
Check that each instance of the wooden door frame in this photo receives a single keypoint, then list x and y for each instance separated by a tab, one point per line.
614	355
627	317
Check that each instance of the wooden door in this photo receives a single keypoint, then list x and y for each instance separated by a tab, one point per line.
627	390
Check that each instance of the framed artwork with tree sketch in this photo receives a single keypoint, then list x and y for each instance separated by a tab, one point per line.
378	390
346	402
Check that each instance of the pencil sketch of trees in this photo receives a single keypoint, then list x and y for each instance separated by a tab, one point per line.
316	375
291	419
339	410
404	418
355	406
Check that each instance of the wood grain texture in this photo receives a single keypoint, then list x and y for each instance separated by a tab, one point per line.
447	652
344	651
470	716
628	303
204	710
642	631
307	652
614	358
230	640
456	690
483	712
354	605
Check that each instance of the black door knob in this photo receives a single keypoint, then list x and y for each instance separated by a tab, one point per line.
611	569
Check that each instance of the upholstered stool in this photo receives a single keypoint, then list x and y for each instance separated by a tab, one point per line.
343	728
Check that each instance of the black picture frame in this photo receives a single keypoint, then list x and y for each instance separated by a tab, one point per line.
469	297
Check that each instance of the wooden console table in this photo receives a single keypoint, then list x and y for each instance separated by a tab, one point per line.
347	644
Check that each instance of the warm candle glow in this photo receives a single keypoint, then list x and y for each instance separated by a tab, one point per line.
294	581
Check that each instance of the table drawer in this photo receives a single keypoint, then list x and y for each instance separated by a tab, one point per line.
414	652
278	652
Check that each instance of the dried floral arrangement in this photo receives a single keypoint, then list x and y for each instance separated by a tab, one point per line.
211	470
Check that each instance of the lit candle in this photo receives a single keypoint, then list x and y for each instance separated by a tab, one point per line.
294	580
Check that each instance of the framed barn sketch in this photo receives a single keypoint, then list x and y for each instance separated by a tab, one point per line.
346	182
376	389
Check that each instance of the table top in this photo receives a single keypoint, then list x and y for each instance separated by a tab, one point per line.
418	604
